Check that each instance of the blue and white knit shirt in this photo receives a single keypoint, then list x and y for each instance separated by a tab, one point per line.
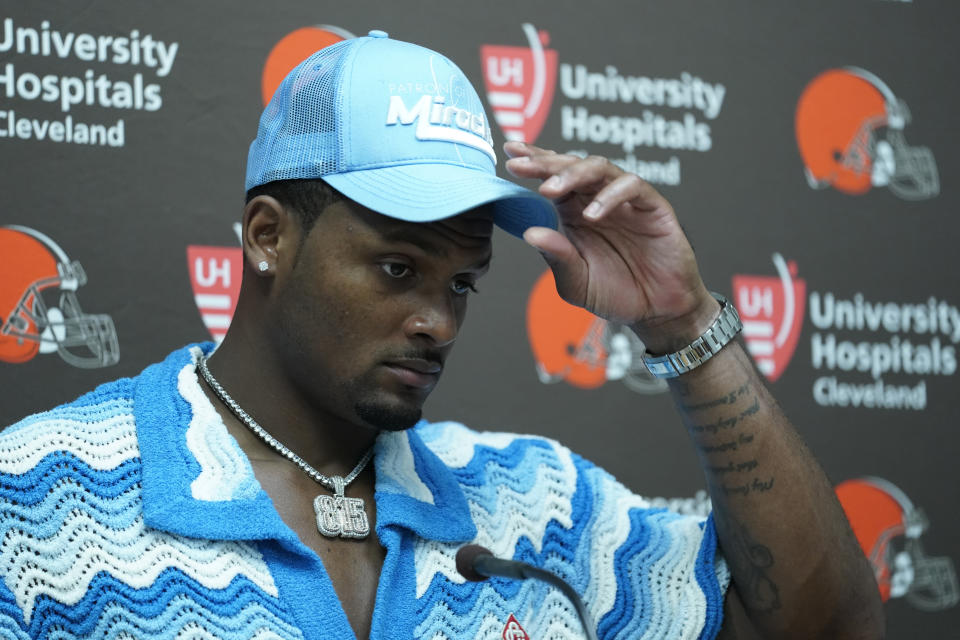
132	513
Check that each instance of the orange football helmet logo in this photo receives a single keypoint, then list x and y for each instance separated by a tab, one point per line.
35	267
849	129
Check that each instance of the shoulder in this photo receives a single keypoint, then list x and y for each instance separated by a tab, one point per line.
97	429
85	450
458	445
499	456
90	442
65	475
535	485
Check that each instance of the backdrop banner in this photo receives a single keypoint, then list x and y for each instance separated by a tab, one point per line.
807	148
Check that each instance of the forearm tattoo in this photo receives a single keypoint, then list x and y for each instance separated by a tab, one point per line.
727	431
725	437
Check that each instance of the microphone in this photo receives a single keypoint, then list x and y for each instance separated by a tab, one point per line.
476	563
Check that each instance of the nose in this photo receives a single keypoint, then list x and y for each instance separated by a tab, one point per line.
436	320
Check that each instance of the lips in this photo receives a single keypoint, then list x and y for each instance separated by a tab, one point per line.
416	372
420	365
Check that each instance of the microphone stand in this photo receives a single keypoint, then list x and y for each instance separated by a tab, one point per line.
484	564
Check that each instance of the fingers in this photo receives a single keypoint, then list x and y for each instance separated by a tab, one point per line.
528	161
553	244
565	261
627	188
602	182
516	149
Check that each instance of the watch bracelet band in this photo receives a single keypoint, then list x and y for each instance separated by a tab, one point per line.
722	331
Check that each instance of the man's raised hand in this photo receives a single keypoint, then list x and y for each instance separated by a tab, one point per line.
620	251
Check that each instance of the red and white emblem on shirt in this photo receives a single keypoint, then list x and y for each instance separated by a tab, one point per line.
513	630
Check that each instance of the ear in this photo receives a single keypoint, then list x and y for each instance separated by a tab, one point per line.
269	234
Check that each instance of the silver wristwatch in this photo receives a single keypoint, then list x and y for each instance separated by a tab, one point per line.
724	328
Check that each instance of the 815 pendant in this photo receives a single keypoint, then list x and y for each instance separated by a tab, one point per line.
339	516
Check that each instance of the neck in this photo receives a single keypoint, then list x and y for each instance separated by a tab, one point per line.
252	374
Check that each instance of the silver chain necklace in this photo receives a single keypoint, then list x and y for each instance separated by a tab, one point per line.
337	515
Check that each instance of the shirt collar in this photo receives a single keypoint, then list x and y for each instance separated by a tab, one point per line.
416	490
198	483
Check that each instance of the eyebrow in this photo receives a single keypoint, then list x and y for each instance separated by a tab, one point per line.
405	234
410	236
484	264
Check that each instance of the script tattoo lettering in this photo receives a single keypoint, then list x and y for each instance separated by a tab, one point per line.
752	409
728	398
736	407
734	467
739	490
725	429
756	485
761	486
722	423
720	448
748	465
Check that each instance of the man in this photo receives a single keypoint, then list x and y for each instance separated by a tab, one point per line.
244	505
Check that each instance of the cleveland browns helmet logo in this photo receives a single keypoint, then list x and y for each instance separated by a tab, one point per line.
849	128
39	310
571	344
888	527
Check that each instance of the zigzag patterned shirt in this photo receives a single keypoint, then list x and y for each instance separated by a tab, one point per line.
132	513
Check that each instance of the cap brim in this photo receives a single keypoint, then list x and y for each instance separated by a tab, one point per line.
428	192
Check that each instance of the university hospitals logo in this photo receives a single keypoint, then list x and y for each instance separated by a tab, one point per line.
520	82
95	79
39	309
573	345
215	274
644	121
293	49
849	127
771	308
867	353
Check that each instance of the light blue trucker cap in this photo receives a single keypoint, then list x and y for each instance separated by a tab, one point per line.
393	126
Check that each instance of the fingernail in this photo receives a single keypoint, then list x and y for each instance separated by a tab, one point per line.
592	211
553	183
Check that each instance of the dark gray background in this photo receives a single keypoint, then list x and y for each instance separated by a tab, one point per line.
128	214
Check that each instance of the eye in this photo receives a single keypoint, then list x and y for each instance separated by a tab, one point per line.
396	269
463	287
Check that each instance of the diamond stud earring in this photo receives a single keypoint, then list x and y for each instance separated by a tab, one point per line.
263	265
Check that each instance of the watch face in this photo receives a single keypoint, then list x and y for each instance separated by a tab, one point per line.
660	367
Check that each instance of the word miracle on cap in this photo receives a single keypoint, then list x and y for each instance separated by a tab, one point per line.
393	126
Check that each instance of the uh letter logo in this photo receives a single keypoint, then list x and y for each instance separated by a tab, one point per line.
215	274
771	308
520	83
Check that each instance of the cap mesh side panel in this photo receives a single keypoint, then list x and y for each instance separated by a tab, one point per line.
298	136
